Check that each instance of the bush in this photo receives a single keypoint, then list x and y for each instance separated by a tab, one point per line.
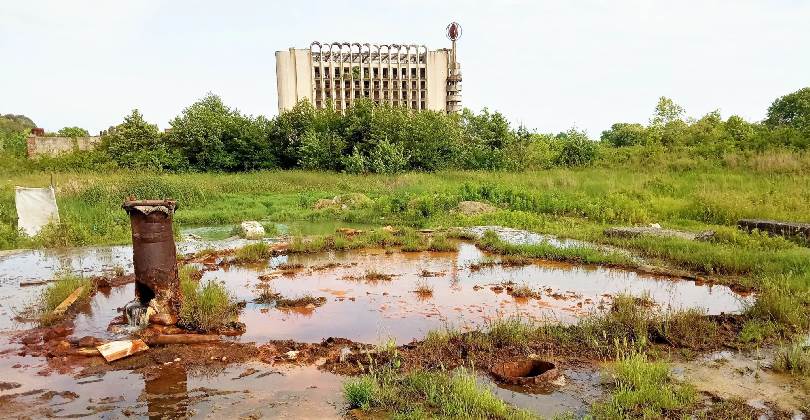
138	144
206	307
576	149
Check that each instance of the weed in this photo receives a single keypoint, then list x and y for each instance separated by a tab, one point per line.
359	393
205	252
301	301
440	243
189	273
57	291
755	331
678	329
266	296
793	358
522	291
426	394
781	304
424	289
253	253
511	331
207	306
643	388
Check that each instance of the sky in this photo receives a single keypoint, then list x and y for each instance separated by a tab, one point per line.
548	65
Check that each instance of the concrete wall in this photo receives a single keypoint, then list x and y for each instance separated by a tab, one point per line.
437	62
52	146
293	77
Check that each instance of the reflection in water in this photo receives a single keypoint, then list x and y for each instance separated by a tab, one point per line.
166	394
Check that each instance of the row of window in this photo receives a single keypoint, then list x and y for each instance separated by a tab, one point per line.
373	72
366	94
367	85
341	105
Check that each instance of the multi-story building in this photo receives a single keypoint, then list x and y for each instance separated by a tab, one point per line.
408	76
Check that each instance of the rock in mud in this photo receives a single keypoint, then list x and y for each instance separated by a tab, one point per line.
5	386
251	230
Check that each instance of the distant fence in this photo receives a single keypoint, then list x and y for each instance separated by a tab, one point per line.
52	146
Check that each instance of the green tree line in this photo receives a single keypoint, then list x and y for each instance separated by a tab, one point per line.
210	136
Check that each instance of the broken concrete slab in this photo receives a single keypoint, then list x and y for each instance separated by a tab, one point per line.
637	231
773	227
115	350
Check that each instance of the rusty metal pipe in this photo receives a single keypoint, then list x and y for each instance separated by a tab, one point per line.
155	255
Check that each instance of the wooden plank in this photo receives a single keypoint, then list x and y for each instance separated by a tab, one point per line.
115	350
165	339
68	301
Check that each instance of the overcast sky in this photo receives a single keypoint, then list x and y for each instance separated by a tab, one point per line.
549	65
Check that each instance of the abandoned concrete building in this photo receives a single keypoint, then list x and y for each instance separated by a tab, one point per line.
340	73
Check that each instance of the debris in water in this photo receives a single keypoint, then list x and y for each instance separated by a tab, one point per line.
68	301
115	350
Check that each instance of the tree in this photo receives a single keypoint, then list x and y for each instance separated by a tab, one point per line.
137	144
792	110
666	111
625	134
213	137
72	132
576	149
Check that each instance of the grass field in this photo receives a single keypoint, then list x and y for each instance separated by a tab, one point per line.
575	203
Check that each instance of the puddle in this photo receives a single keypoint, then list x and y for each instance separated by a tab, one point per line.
172	392
746	376
373	310
575	392
365	310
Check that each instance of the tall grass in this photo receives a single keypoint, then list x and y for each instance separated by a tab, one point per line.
57	291
427	394
207	306
643	389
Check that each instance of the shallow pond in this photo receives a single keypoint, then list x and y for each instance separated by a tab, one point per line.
465	294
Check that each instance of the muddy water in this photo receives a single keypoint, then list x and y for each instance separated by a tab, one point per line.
373	311
369	311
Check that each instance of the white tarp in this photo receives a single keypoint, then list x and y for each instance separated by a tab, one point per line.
36	207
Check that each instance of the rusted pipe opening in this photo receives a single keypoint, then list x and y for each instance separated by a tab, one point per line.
144	293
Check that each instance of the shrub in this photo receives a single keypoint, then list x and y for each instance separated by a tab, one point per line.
359	393
252	253
138	144
576	149
207	306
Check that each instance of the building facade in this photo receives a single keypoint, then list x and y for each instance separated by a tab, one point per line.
409	76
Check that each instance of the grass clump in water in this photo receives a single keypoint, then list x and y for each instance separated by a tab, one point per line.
302	301
440	243
644	389
253	253
208	306
678	329
793	358
59	290
783	305
426	394
423	289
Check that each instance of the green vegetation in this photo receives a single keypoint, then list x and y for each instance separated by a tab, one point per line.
793	358
644	389
424	394
57	291
207	306
253	253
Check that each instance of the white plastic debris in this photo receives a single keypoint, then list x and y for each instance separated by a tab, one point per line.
36	207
